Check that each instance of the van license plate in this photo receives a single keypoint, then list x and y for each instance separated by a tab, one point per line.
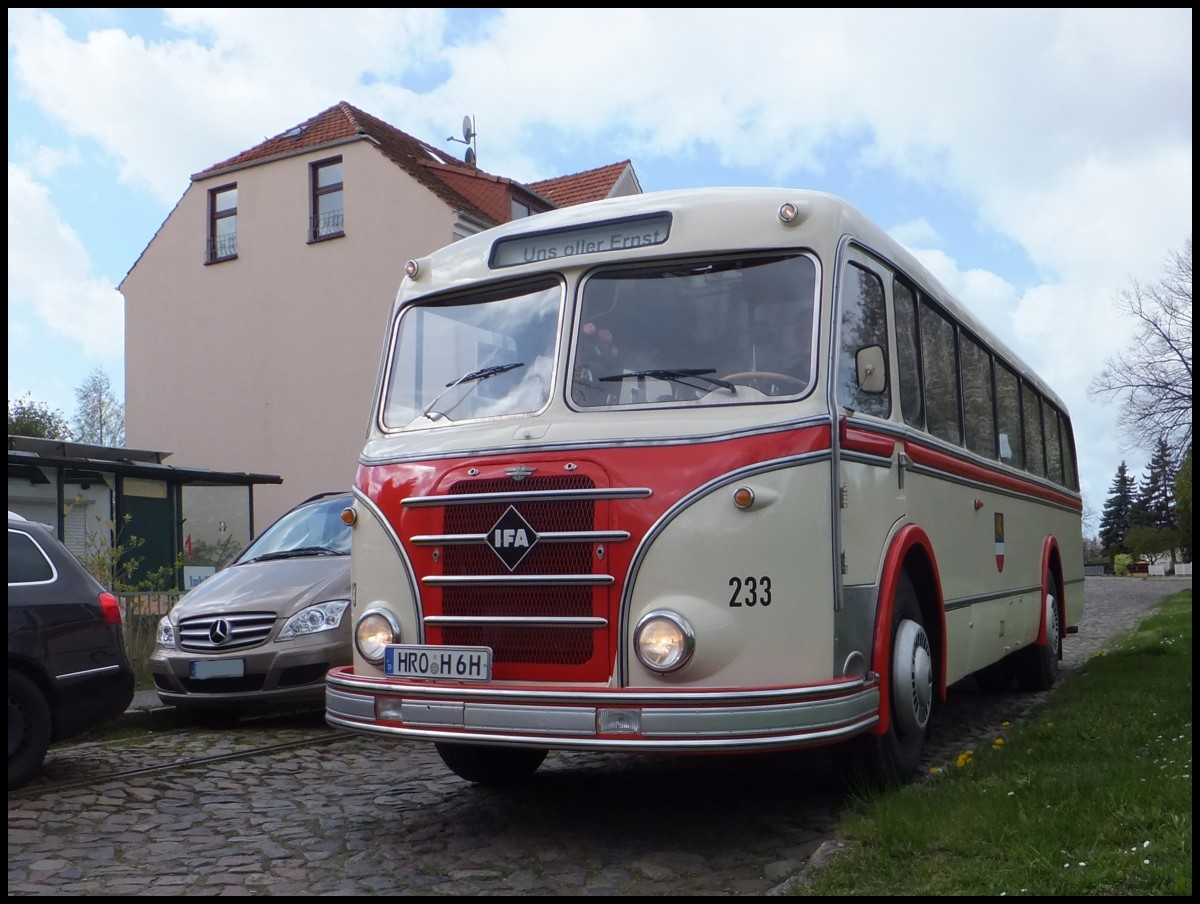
217	668
439	663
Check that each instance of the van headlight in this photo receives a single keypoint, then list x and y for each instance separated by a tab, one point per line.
314	619
375	630
664	641
166	634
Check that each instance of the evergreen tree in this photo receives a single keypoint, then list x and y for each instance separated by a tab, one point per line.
1114	520
1156	495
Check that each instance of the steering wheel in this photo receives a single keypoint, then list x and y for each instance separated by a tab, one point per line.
759	378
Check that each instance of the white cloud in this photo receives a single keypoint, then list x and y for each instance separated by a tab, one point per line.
49	273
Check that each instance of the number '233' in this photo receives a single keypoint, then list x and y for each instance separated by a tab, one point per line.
750	591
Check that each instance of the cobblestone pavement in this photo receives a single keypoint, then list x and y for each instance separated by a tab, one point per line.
341	814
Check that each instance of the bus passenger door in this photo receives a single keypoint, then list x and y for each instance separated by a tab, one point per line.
869	496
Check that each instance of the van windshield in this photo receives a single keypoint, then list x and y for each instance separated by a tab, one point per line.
312	529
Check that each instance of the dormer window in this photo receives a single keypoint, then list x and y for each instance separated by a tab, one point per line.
222	224
328	213
520	209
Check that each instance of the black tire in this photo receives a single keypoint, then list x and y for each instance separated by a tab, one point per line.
892	758
489	765
1037	666
29	729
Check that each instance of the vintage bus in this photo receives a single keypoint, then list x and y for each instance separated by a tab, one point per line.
715	470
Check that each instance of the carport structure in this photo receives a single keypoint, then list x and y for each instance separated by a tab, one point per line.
84	491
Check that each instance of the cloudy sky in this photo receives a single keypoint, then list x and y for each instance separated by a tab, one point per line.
1037	161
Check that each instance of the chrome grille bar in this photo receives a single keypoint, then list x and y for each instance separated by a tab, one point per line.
517	580
520	621
562	536
528	496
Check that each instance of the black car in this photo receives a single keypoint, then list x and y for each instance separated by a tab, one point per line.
68	671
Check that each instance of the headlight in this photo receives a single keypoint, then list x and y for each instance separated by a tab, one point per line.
321	617
664	641
166	633
374	631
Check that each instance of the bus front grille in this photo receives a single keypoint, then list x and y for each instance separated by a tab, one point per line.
549	615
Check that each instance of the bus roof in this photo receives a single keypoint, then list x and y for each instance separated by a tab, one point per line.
703	221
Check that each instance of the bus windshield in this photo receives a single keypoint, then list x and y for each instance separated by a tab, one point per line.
713	332
475	357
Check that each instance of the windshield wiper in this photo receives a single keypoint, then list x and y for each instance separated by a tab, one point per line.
677	375
473	376
296	553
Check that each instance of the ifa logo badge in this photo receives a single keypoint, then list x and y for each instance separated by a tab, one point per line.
511	538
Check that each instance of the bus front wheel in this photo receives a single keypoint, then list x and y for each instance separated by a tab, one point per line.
892	757
485	764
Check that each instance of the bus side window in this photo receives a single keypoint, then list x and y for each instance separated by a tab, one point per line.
1068	446
908	355
941	375
1008	408
1035	451
1054	456
978	398
864	324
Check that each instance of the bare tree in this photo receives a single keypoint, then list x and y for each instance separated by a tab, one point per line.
100	418
1153	376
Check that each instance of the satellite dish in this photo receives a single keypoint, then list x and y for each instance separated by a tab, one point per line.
468	129
470	156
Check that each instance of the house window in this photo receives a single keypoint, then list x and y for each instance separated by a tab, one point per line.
222	224
520	209
328	219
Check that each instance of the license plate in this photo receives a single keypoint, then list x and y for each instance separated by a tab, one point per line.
217	668
441	663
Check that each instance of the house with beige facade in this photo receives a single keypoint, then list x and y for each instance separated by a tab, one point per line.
255	317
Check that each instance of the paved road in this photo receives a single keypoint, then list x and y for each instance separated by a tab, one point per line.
329	813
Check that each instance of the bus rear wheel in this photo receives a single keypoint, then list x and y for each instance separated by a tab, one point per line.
891	758
489	765
1037	666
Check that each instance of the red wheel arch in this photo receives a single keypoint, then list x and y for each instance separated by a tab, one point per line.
908	538
1050	553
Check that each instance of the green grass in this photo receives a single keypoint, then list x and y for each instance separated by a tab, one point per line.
1090	795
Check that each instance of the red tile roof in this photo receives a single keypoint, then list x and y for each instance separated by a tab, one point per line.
579	188
462	187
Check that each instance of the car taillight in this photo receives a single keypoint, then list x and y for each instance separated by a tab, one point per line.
111	609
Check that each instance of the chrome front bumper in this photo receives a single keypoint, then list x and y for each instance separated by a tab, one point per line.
671	719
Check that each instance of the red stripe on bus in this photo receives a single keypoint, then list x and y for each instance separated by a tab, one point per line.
952	464
857	440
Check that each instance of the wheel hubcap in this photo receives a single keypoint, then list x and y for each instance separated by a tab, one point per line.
912	678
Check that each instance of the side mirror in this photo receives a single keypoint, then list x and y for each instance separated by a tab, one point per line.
872	372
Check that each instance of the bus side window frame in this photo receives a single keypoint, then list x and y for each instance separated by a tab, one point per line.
846	365
910	373
1034	465
1016	442
973	431
928	307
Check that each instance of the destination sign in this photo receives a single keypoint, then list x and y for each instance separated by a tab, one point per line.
594	238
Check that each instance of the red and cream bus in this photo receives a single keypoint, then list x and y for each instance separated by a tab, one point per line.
719	470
